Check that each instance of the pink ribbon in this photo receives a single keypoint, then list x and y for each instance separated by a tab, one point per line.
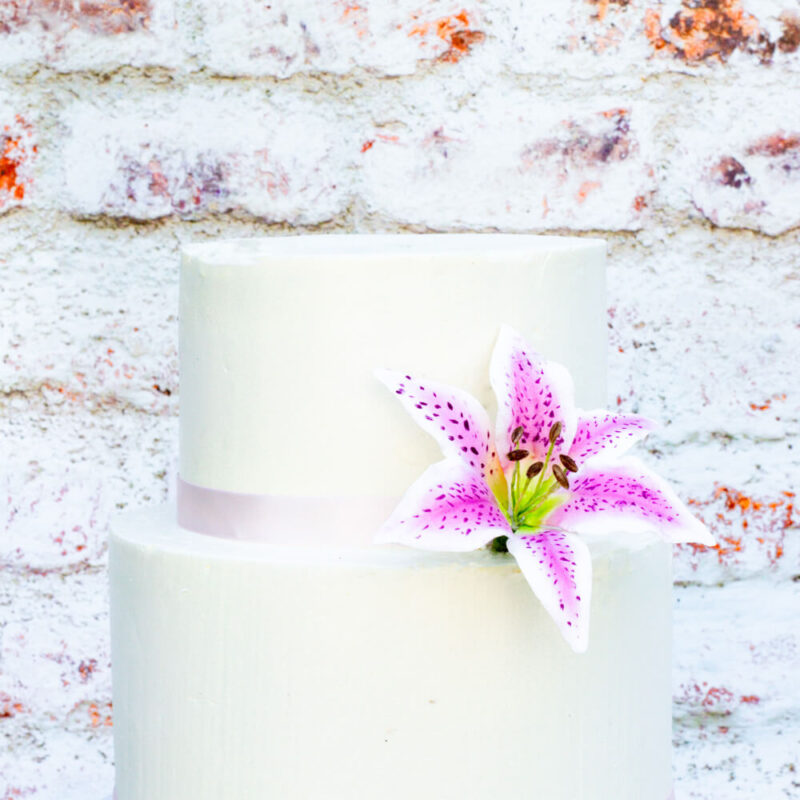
671	795
278	519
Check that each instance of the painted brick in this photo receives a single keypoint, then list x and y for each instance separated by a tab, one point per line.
624	37
206	154
727	338
18	151
56	685
733	716
537	168
66	474
741	175
89	323
88	34
286	37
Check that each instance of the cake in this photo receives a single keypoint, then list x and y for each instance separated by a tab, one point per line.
265	646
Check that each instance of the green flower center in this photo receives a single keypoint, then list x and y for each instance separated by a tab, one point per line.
537	488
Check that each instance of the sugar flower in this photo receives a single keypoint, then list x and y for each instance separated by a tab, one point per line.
548	475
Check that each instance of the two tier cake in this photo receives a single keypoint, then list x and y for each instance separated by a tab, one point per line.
264	647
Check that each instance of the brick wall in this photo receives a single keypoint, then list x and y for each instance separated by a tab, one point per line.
670	128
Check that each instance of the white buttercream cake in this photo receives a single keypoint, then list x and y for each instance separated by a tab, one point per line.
308	663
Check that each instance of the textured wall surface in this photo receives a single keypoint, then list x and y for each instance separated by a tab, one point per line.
671	128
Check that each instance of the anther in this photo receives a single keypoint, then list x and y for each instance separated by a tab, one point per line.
568	462
517	433
517	455
555	432
534	469
560	476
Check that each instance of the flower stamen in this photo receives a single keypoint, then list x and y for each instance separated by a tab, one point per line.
569	462
560	475
527	502
534	469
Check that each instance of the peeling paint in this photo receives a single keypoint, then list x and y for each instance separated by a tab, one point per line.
585	189
729	172
602	6
455	30
775	145
185	187
751	184
708	30
9	707
709	699
16	154
789	40
106	17
356	17
739	522
782	151
100	715
581	146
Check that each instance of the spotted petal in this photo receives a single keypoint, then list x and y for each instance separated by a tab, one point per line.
450	507
457	421
558	568
600	432
624	496
532	393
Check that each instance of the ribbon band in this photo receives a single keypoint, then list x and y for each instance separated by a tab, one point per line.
278	519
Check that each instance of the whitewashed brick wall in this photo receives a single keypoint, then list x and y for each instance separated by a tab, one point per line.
671	128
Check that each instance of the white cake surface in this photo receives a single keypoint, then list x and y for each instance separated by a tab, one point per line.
352	671
279	339
255	671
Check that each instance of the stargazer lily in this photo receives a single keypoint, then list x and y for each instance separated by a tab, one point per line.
549	474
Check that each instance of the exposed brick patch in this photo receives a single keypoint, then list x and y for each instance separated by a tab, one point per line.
603	5
709	703
729	172
744	526
9	707
789	40
580	146
100	17
86	669
246	158
356	17
538	167
701	698
17	152
285	37
454	30
170	181
778	145
100	714
16	792
708	30
754	184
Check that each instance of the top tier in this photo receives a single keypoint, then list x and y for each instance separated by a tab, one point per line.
279	338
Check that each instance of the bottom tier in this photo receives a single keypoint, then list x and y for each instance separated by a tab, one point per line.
259	672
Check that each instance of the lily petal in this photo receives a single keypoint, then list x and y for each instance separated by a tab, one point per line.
449	507
600	432
624	496
558	568
457	421
532	393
